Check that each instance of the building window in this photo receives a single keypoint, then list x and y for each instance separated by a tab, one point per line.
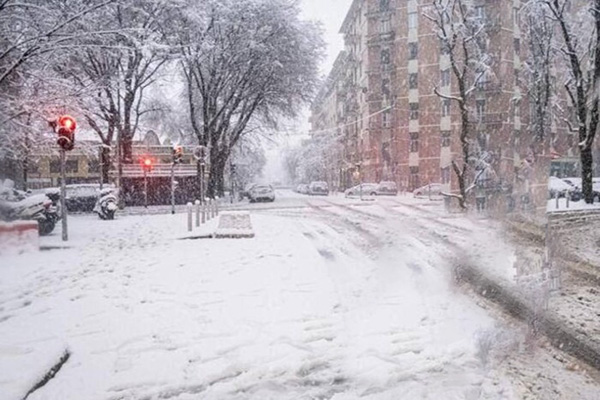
517	78
385	87
482	81
570	141
515	16
384	5
413	81
445	107
414	142
387	119
480	109
385	56
71	166
517	111
413	20
517	43
480	12
414	110
414	177
413	51
386	25
445	138
445	175
445	77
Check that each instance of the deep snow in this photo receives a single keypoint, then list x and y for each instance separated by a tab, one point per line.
333	298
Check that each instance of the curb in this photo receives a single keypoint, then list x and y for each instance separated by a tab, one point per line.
561	337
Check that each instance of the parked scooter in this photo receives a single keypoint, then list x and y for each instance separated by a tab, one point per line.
106	206
38	207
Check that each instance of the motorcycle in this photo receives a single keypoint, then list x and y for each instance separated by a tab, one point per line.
42	208
106	206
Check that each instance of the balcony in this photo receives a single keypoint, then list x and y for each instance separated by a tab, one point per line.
380	38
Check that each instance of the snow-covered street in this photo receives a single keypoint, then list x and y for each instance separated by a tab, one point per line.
334	298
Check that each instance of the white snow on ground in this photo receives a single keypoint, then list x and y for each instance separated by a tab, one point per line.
325	302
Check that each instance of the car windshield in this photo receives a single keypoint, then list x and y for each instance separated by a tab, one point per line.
299	199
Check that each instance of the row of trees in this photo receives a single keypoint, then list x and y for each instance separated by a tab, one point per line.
563	39
243	65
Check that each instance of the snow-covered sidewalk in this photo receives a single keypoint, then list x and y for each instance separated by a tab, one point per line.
301	310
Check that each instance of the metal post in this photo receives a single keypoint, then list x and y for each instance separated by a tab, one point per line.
197	203
202	197
203	213
173	188
217	206
145	188
63	195
568	197
189	216
557	199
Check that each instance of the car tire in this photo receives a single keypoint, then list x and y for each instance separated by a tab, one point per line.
373	193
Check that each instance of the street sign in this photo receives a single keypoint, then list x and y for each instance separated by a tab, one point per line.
200	153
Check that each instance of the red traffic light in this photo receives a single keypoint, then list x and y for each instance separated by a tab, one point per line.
66	132
147	163
67	122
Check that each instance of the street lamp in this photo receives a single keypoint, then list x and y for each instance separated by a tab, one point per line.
147	165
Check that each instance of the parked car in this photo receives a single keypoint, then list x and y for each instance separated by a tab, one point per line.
387	188
301	188
261	193
319	188
431	189
575	188
246	191
367	189
82	197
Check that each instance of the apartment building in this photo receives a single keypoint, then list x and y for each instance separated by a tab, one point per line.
396	128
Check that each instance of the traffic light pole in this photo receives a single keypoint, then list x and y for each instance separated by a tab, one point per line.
63	195
173	188
145	188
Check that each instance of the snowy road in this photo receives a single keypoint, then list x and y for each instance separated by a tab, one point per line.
333	299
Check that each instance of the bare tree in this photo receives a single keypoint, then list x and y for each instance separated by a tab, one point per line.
114	68
582	56
244	60
462	37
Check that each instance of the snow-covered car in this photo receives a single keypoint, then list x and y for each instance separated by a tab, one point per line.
431	189
575	184
387	188
246	191
318	188
366	189
560	187
82	197
302	188
261	193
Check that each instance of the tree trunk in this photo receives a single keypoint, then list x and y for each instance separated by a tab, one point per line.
586	174
126	148
105	161
216	176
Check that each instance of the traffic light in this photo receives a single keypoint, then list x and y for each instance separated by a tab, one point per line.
66	132
177	154
147	164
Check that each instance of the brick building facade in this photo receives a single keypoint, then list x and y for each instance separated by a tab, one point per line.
393	125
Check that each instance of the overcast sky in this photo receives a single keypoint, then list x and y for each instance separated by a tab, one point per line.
331	14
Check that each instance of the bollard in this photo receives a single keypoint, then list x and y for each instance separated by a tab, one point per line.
217	207
189	216
203	213
212	208
197	213
557	199
568	196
